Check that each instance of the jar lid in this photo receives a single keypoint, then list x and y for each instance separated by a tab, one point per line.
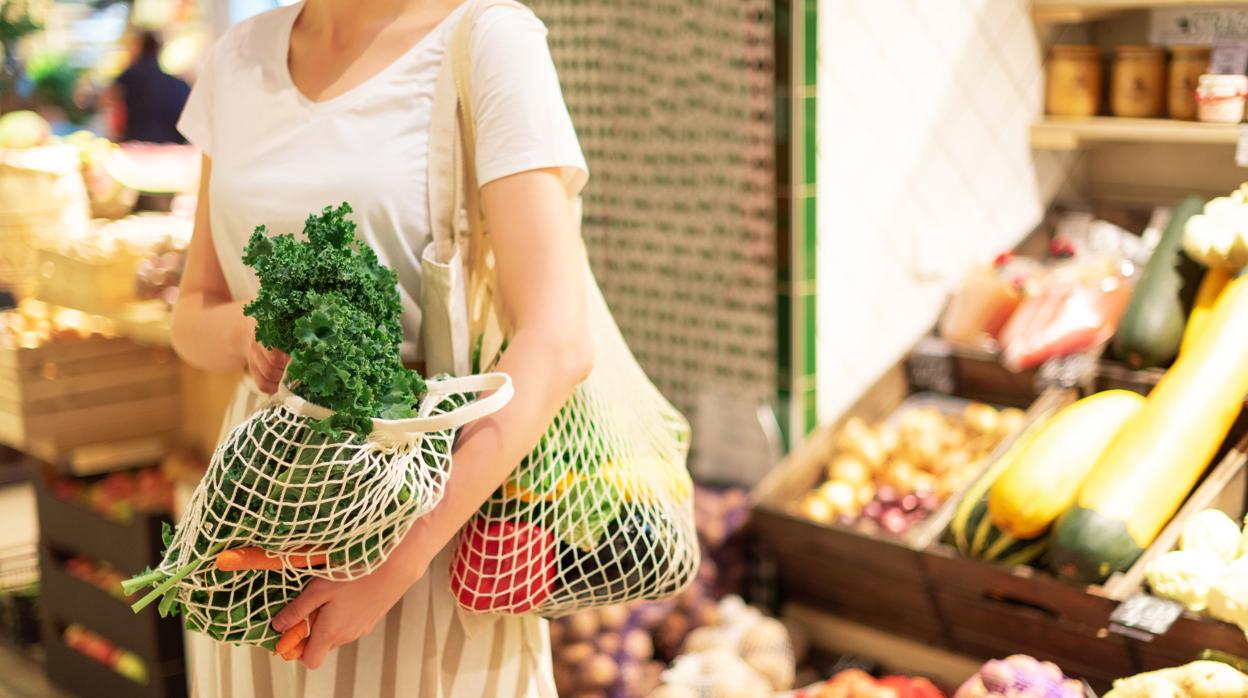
1140	50
1191	50
1076	49
1214	81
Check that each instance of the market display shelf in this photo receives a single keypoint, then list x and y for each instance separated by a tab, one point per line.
84	676
1072	133
1072	11
129	546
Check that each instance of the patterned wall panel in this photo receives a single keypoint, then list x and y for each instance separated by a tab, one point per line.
674	102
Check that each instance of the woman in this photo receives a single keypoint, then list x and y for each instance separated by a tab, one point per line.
326	101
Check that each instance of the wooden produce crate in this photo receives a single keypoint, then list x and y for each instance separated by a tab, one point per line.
990	608
84	676
71	598
874	580
90	284
59	402
70	528
1225	488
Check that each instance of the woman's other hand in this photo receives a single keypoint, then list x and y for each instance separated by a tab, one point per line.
347	611
266	366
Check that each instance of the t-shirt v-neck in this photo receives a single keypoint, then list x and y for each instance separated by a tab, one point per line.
284	46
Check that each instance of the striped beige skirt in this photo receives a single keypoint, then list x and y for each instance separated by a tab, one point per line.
426	647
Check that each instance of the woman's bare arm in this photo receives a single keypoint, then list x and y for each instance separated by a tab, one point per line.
210	331
541	279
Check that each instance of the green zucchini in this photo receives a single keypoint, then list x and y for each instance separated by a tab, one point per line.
1151	329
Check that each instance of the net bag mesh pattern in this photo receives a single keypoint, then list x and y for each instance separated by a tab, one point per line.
600	512
322	506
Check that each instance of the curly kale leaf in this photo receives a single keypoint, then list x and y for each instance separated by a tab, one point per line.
327	301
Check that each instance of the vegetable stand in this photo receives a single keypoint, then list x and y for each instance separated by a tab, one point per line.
874	580
920	587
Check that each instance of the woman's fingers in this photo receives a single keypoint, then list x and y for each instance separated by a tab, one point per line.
300	609
317	647
267	367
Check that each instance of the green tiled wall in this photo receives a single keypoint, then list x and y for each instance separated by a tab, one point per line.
796	75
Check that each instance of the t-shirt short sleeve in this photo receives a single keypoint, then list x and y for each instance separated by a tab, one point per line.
196	120
522	121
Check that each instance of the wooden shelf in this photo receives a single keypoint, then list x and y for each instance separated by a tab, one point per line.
1065	133
1070	11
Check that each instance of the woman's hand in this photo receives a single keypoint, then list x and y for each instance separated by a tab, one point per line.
347	611
266	366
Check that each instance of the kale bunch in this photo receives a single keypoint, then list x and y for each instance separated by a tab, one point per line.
334	308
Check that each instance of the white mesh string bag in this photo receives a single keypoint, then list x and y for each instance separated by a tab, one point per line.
600	513
318	506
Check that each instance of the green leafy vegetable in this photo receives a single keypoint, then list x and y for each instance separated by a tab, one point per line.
328	302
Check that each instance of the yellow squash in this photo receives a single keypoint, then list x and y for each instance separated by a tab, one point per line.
1211	286
1044	481
1154	462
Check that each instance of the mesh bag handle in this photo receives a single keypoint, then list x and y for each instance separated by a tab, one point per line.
438	389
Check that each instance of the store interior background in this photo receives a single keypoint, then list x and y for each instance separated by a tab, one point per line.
848	161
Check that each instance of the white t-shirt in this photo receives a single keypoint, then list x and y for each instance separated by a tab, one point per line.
277	156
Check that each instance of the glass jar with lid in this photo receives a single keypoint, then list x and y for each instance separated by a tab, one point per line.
1138	82
1187	64
1073	81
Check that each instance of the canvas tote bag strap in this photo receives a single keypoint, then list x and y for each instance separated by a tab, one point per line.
483	315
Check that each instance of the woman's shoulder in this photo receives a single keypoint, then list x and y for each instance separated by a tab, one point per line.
501	21
255	37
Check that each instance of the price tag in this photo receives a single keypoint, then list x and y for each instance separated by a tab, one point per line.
1241	147
1144	617
1229	58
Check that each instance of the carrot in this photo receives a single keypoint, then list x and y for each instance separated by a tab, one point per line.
295	637
255	558
296	652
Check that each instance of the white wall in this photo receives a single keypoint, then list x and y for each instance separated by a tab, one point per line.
923	168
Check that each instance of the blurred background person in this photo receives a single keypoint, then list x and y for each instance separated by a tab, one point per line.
147	100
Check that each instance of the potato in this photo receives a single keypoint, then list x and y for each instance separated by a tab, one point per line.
582	626
599	671
609	644
901	476
638	645
888	436
841	496
818	509
612	617
574	654
982	418
850	469
857	438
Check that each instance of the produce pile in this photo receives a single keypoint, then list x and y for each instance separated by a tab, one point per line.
288	495
891	475
1209	570
745	653
104	651
34	324
117	496
100	575
1089	490
1020	676
1202	679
